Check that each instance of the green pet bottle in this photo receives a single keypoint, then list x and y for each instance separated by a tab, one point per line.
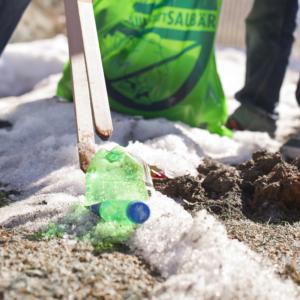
116	187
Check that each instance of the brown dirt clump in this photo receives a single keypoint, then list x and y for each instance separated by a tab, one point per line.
218	193
219	183
296	162
210	164
277	195
185	187
263	162
190	190
60	269
265	188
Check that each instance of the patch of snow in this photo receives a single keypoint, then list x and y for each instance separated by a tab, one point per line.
199	261
23	65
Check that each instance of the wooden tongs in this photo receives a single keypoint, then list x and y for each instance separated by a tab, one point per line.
89	88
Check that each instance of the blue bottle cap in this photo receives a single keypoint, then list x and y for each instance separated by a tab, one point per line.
138	212
95	209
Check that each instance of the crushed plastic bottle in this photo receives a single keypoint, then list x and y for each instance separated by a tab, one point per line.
117	185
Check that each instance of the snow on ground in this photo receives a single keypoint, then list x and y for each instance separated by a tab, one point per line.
39	157
24	65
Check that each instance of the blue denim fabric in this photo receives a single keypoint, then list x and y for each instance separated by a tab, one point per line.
11	12
270	30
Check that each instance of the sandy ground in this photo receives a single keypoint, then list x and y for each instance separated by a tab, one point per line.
56	269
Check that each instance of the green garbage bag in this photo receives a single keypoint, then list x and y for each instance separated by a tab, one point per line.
159	61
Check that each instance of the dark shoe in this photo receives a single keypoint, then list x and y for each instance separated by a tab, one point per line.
233	124
5	125
291	149
245	118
